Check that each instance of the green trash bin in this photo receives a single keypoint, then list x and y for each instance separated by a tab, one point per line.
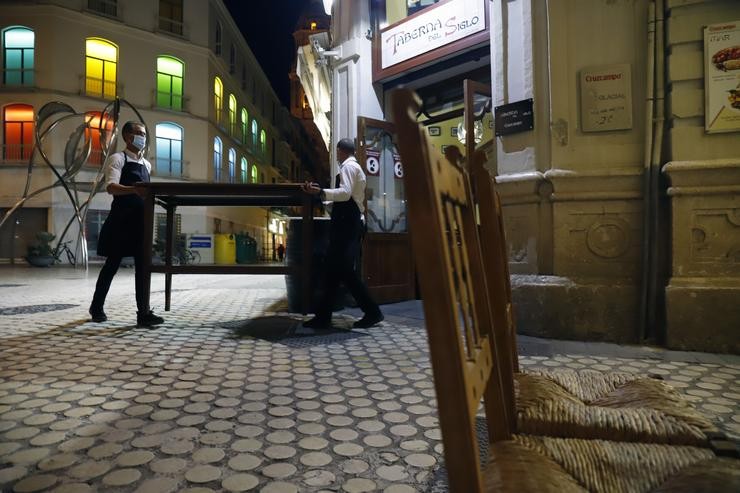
251	250
242	248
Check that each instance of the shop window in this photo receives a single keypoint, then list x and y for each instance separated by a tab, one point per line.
105	7
255	134
18	51
94	133
245	126
232	165
232	114
18	122
170	16
169	149
101	64
263	142
169	82
217	47
217	153
218	98
254	174
243	167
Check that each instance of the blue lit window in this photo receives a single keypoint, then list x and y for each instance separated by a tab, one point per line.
18	56
232	165
217	153
244	166
169	149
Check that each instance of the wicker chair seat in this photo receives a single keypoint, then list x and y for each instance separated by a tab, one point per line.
613	406
557	465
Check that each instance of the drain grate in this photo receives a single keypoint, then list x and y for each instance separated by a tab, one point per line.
22	310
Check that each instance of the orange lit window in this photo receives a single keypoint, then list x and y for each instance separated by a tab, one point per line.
17	132
101	63
94	133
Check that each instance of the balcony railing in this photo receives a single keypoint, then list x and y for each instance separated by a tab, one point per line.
105	7
18	77
17	153
168	101
100	88
171	26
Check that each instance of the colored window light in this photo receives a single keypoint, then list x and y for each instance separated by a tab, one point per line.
217	151
232	114
263	141
169	149
245	125
232	165
18	56
100	68
218	96
244	167
17	132
94	133
169	83
255	133
254	174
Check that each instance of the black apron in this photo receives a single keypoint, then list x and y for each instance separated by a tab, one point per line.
121	234
346	227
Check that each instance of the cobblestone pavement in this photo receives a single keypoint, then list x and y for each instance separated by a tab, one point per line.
231	394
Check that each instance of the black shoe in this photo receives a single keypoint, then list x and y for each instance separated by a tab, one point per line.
97	316
147	319
368	320
318	323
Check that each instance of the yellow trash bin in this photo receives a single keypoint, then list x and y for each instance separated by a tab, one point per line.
225	249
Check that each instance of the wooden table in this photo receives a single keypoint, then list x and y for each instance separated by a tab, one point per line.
171	195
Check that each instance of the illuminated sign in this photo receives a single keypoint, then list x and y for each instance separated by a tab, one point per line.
431	29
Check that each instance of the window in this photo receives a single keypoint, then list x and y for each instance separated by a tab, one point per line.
263	141
218	97
255	133
94	133
169	149
232	165
245	125
217	152
170	16
18	56
232	114
232	59
107	7
17	132
244	78
217	47
100	68
243	168
169	82
254	174
313	26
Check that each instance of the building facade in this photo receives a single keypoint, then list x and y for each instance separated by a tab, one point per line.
211	113
620	207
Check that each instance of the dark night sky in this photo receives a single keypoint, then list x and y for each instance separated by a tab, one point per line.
268	26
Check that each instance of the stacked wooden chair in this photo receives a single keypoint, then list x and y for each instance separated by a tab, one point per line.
561	431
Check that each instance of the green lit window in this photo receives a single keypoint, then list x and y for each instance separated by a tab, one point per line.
255	133
243	168
18	124
245	125
263	141
169	82
18	56
217	153
218	98
169	149
232	114
101	63
253	176
232	165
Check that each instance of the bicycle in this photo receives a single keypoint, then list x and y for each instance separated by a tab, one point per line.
64	248
185	256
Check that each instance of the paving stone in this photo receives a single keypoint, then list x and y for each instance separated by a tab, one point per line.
73	488
203	474
157	485
240	482
59	461
168	466
89	470
244	462
35	483
279	470
359	485
136	458
279	487
10	474
122	477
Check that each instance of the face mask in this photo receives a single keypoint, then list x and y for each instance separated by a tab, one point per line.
139	142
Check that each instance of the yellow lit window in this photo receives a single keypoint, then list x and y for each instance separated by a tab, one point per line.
101	62
232	114
218	97
313	26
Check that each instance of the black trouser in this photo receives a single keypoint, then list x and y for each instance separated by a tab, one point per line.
344	251
112	263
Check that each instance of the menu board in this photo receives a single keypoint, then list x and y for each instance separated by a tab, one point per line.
722	77
606	98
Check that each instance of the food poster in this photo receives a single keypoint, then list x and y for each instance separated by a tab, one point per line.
722	77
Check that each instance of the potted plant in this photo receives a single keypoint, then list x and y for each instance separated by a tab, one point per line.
40	252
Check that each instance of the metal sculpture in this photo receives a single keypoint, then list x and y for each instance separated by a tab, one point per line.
76	154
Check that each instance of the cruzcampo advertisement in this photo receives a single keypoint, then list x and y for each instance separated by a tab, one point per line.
722	77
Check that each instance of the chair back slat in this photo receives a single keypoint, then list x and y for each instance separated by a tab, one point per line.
446	248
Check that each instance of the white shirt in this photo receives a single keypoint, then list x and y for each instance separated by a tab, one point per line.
116	161
352	183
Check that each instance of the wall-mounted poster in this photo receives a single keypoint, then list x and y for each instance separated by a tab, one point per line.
722	77
606	98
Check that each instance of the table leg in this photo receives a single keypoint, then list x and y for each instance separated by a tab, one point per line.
169	247
307	253
147	243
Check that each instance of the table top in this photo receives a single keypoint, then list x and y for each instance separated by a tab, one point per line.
203	193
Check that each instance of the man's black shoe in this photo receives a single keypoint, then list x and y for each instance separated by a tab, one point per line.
368	320
318	323
98	316
148	319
